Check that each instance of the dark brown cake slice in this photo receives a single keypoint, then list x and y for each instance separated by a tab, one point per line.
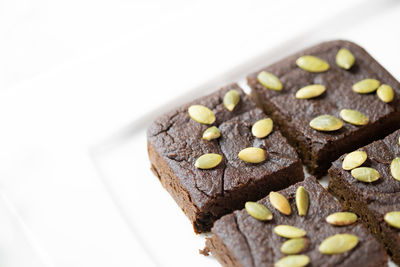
240	240
372	200
175	143
317	148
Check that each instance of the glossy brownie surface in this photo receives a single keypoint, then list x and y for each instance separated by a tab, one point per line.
249	242
317	148
175	142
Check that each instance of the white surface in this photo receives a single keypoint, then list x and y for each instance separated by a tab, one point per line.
17	247
76	72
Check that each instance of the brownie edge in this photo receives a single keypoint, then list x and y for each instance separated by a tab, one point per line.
371	201
221	252
175	142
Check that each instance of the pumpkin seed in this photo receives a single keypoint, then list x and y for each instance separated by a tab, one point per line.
354	117
365	174
289	231
354	160
280	202
208	161
341	218
326	123
395	168
211	133
385	93
338	243
252	155
302	201
366	86
258	211
269	80
310	91
262	128
393	218
293	261
312	64
201	114
345	59
295	245
231	99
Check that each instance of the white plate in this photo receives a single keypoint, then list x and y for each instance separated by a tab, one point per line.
157	222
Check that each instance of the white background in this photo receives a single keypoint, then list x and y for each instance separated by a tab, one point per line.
77	75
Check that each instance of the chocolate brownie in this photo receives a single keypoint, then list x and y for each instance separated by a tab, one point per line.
175	143
371	201
238	239
293	115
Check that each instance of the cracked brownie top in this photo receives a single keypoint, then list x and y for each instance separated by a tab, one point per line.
178	140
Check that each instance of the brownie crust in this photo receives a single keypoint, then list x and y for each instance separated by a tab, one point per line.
175	142
371	201
319	149
240	240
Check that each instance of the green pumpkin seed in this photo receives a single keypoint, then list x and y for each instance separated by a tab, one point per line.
211	133
354	160
365	174
341	218
338	243
366	86
231	99
354	117
269	81
310	91
393	218
208	161
201	114
293	261
345	59
395	168
326	123
258	211
302	201
252	155
262	128
280	202
295	245
312	64
385	93
289	231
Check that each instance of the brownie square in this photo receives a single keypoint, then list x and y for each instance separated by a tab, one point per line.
318	149
175	142
238	239
371	201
